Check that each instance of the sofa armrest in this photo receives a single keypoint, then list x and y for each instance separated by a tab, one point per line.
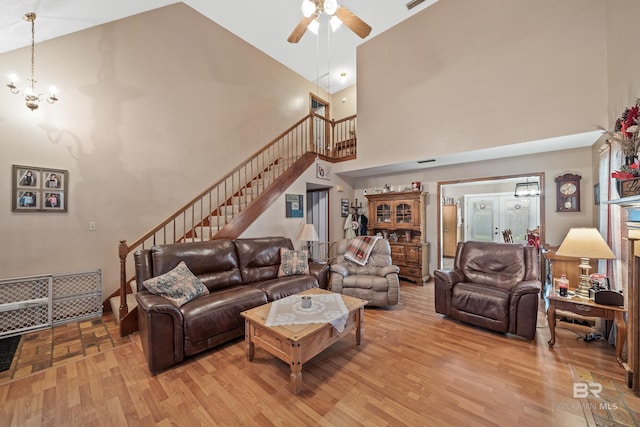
321	272
161	331
339	269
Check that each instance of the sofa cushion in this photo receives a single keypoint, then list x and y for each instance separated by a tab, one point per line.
285	286
178	285
217	313
259	258
214	261
501	266
293	262
481	300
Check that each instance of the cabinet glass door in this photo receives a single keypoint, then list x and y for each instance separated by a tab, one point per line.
403	214
383	214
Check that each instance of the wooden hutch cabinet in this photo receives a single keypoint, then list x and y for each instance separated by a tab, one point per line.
402	219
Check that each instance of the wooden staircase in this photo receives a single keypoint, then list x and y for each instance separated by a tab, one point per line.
229	206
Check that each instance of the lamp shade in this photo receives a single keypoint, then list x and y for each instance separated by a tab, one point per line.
584	242
308	233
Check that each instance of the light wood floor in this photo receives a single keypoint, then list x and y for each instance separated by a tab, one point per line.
414	368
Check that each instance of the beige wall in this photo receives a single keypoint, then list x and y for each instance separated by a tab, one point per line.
577	161
500	73
153	109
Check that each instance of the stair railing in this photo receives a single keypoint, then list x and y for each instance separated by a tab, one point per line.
220	203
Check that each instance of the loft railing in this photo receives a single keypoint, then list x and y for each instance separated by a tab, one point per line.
222	202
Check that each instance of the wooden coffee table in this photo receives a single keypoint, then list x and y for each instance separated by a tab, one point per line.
296	344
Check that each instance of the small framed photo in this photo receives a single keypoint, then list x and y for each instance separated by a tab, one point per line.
26	177
344	208
39	189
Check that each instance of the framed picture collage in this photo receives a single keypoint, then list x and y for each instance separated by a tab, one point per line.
39	189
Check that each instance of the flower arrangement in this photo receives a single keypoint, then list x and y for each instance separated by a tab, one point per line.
626	134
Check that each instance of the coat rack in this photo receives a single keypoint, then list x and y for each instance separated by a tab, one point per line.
356	207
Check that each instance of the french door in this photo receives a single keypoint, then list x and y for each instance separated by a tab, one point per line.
489	215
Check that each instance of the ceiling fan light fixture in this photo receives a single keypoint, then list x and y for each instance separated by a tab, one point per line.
313	26
308	8
330	7
335	23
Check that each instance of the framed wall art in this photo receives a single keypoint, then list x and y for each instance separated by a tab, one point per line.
39	189
294	206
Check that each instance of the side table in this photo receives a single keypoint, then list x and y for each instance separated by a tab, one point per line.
588	308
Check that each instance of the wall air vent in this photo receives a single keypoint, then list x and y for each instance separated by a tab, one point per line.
413	3
426	161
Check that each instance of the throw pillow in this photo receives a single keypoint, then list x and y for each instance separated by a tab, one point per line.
293	262
179	285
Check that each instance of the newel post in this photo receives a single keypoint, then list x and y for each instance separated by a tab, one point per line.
123	251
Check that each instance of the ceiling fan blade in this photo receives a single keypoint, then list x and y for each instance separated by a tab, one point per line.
355	24
300	29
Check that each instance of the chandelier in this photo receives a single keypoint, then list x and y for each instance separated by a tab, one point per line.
31	97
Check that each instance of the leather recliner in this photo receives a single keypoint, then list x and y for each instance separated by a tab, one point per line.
377	281
492	285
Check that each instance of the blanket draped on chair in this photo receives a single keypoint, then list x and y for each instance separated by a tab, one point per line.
360	249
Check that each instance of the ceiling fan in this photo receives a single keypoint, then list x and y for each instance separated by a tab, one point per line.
312	9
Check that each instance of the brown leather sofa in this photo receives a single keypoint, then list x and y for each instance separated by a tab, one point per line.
492	285
240	274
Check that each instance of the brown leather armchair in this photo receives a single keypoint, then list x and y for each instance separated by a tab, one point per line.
492	285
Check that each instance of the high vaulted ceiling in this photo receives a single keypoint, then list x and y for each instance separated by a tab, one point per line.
264	24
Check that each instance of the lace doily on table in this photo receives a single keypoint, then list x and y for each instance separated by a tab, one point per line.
327	308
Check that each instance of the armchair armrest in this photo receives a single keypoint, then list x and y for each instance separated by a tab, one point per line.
525	287
448	277
389	269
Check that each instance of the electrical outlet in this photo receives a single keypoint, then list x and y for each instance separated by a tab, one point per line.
92	226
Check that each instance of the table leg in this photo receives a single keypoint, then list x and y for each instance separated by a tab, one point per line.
249	346
360	327
551	318
296	368
621	334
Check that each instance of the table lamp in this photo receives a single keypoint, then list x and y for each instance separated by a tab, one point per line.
308	234
585	243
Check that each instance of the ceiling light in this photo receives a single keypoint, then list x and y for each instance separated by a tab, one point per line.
31	97
308	7
313	26
527	189
335	22
330	7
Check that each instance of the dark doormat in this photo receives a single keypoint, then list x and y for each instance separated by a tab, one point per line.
8	347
